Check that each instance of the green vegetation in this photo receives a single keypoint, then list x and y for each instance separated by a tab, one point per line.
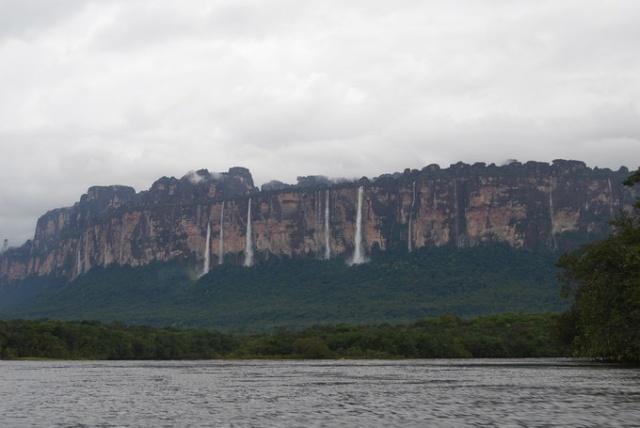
93	340
633	179
393	287
506	335
604	277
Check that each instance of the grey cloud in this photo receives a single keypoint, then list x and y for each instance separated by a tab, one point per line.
125	91
27	18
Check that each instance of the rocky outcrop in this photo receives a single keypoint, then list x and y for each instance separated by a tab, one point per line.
534	205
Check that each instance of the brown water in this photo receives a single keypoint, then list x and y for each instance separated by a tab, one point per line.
447	393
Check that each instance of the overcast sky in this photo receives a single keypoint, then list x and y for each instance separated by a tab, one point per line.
125	91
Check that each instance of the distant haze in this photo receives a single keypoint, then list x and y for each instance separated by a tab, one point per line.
126	91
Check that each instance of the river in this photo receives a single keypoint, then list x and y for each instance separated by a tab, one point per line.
420	393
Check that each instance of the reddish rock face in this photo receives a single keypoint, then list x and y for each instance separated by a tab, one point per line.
533	205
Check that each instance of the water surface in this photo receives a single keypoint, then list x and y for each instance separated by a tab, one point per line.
448	393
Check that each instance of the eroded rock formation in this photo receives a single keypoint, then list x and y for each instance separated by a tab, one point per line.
533	205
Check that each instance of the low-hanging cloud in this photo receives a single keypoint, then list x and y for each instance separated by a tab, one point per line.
126	91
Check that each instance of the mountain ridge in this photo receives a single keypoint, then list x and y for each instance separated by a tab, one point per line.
532	205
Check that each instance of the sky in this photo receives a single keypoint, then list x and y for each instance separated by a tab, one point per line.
126	91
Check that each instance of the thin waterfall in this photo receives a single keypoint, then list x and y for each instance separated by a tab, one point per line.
611	198
318	219
207	252
221	242
358	256
78	261
327	240
248	250
410	232
318	209
551	217
105	261
121	246
457	213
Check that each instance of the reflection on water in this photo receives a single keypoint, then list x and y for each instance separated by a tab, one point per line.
449	393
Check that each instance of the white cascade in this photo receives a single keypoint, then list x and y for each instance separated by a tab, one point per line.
611	198
358	255
318	210
207	252
327	239
551	217
410	232
78	261
248	250
318	218
456	206
221	242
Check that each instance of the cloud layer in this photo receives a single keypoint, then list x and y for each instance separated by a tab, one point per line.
125	91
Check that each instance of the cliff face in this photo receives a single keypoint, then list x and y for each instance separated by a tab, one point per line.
532	205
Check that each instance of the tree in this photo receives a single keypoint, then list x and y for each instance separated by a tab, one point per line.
604	277
311	348
633	178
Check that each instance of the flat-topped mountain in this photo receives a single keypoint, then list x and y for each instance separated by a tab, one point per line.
205	219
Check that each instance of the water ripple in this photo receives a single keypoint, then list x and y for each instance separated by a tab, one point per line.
446	393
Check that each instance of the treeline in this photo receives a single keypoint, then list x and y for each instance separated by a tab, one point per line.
498	336
95	340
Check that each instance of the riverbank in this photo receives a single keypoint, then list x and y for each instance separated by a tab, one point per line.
495	336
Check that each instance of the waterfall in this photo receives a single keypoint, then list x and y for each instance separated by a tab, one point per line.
611	198
221	242
327	240
553	222
121	246
78	262
318	210
318	219
410	232
248	250
207	252
105	249
456	206
358	256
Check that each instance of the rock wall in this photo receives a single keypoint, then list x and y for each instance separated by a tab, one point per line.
534	205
